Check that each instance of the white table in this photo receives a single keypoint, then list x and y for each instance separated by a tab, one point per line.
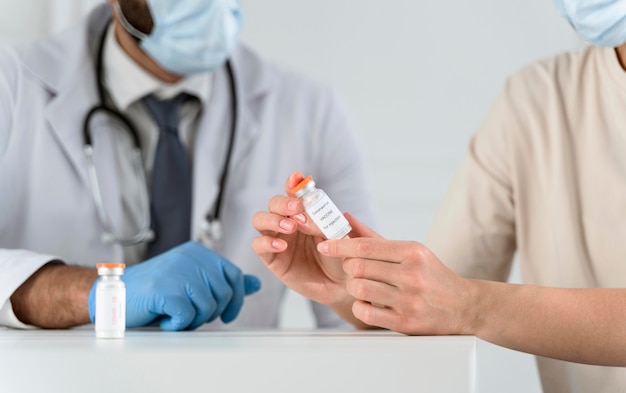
240	361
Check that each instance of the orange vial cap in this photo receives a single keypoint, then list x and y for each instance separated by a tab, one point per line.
107	265
293	190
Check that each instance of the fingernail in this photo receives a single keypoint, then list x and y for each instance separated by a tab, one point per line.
322	248
300	218
278	245
286	225
292	205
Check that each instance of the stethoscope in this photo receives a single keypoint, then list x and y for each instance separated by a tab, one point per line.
211	227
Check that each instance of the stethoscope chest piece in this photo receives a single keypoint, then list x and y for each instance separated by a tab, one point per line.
211	232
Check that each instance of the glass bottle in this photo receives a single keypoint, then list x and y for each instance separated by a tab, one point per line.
324	213
110	301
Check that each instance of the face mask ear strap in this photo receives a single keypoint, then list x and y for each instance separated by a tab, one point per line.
126	24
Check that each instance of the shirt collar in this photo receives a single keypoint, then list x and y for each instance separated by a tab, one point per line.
127	82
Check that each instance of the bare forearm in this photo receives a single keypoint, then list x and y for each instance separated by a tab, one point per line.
579	325
55	296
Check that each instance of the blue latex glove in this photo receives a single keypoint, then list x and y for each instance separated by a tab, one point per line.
184	287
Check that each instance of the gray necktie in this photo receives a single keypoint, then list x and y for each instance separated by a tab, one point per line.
170	199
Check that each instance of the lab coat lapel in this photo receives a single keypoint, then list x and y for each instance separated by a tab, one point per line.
252	80
71	83
208	157
66	113
73	93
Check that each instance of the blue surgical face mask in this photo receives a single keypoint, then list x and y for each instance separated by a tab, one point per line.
190	36
601	22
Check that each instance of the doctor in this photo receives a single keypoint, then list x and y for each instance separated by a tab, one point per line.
148	135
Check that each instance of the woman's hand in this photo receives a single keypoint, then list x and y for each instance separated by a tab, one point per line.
402	286
287	245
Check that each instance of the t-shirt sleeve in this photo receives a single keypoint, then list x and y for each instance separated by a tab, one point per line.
474	229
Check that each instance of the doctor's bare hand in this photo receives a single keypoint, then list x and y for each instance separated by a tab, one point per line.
420	295
183	288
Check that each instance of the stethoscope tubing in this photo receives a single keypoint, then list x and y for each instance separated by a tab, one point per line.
212	223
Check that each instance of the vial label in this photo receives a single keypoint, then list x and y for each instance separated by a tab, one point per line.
328	218
110	312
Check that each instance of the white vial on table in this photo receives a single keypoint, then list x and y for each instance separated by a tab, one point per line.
110	301
324	213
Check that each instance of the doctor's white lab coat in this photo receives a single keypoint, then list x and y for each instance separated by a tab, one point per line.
285	123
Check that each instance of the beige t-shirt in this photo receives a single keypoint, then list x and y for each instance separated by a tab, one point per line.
546	177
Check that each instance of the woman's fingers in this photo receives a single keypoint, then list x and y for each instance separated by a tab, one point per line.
293	179
375	315
271	224
374	270
377	292
359	229
285	205
266	246
372	248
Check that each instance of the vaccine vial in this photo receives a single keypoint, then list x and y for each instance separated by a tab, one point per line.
324	213
110	301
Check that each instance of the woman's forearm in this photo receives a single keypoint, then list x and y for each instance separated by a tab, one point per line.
586	325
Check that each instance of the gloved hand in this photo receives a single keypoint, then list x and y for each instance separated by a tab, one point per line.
185	287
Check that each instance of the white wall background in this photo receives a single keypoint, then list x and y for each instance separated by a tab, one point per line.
416	76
